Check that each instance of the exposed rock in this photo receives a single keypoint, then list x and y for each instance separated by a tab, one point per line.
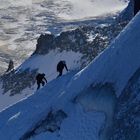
44	43
18	81
51	123
87	40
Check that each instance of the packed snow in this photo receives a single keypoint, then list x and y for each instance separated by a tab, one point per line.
45	64
40	105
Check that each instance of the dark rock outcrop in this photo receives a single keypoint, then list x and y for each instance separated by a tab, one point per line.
15	82
44	41
87	40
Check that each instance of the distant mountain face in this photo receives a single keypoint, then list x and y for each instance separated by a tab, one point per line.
23	21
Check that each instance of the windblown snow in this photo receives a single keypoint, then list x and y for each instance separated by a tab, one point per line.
70	94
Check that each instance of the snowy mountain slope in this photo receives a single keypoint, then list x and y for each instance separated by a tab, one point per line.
48	63
23	21
63	94
78	47
21	83
47	101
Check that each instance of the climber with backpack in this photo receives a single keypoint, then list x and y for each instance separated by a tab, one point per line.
60	66
40	78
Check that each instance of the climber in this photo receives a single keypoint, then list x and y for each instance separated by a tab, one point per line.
40	79
60	67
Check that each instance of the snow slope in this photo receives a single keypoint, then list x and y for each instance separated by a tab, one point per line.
47	63
76	51
63	93
40	105
41	64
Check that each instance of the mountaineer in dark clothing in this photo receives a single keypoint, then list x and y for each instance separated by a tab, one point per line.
60	67
40	80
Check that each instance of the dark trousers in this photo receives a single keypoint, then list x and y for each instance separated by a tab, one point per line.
38	84
60	73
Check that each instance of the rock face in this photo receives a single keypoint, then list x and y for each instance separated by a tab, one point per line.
44	41
18	81
136	6
87	40
127	114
